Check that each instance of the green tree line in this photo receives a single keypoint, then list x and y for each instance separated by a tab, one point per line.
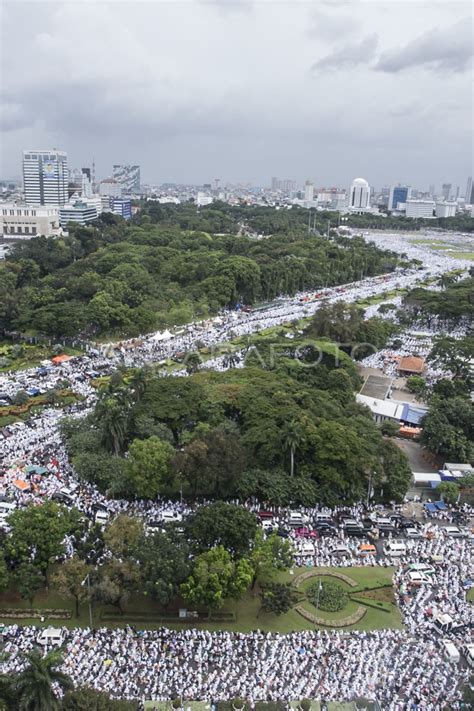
125	279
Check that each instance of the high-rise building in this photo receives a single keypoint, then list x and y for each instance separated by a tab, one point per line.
275	185
432	190
446	191
469	197
288	186
45	177
359	194
398	194
111	188
128	176
308	191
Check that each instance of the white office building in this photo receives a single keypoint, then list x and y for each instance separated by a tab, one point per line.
26	221
81	212
202	199
45	177
420	208
446	209
359	196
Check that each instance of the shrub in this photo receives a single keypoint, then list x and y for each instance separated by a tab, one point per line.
305	704
327	596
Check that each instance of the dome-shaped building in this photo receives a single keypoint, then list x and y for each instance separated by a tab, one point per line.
359	195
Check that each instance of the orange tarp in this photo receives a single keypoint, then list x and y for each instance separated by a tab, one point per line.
21	485
60	359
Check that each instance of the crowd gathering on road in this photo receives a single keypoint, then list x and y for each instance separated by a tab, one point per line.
402	669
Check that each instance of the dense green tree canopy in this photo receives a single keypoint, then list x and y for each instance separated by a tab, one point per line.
37	533
286	429
223	524
182	263
216	577
448	428
454	303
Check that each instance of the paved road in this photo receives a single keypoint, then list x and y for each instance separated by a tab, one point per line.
417	456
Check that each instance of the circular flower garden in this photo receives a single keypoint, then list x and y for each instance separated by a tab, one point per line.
327	595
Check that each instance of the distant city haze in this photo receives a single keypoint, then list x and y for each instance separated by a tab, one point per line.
242	90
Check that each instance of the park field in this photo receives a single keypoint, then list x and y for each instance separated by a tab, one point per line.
246	615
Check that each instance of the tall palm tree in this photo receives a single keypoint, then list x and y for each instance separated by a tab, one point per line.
446	280
111	416
34	685
192	361
292	438
139	382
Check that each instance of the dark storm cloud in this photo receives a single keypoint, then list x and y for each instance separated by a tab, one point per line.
349	56
194	88
447	50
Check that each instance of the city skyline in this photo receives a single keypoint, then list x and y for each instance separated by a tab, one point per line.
274	183
308	90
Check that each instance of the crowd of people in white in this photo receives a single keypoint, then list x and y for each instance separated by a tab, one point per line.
402	669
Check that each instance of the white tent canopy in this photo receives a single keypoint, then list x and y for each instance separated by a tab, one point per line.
161	336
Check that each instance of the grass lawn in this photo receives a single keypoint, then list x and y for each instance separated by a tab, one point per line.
462	255
247	610
30	355
12	413
380	298
470	595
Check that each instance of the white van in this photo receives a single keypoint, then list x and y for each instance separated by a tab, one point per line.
422	568
296	519
394	549
101	517
442	623
51	637
323	518
170	516
306	548
450	651
469	654
341	550
416	578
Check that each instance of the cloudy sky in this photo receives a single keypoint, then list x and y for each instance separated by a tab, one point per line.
242	89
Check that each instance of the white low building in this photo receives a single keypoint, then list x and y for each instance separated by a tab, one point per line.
382	410
26	221
446	209
420	208
80	212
